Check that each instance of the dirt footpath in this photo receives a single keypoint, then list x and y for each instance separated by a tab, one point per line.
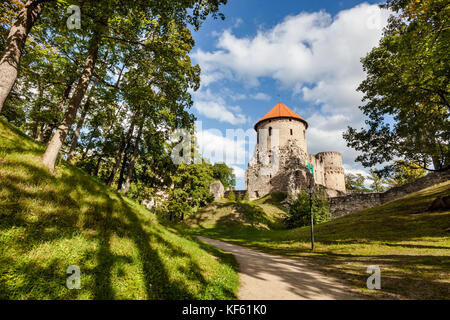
268	277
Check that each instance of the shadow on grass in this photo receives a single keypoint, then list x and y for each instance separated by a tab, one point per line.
403	276
233	215
47	209
254	214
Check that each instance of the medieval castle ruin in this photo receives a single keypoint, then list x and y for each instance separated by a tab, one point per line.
281	162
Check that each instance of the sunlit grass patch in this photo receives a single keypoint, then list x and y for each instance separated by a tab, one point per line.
50	222
410	244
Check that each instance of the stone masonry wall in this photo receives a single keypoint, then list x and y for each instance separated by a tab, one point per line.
284	169
344	205
286	172
288	131
333	170
341	206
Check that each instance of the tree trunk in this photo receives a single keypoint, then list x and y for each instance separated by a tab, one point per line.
15	43
437	164
89	145
41	130
124	166
123	144
36	110
58	138
99	162
133	160
80	123
84	112
54	122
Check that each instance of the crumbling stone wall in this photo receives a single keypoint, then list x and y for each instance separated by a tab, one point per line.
285	170
282	166
318	164
157	200
429	180
344	205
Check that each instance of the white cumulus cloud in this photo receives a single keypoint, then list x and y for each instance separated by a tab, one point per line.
316	56
261	96
213	106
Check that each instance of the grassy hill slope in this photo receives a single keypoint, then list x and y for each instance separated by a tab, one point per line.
49	222
265	213
409	244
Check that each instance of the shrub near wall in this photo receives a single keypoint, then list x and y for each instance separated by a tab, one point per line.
299	211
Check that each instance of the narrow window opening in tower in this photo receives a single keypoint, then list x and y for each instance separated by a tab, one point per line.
257	137
270	131
304	134
291	132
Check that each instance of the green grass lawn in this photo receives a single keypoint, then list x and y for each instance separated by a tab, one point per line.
410	245
261	214
49	222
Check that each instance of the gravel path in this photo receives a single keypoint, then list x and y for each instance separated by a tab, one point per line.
269	277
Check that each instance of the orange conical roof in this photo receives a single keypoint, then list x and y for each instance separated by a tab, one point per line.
281	111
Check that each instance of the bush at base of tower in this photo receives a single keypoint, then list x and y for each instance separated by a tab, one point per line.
299	211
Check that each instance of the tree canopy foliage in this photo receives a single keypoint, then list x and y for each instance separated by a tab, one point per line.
407	89
107	96
355	183
300	213
404	172
225	174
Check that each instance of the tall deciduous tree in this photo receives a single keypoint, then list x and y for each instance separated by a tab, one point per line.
111	23
15	43
53	148
378	182
355	183
225	174
404	172
133	159
407	89
84	111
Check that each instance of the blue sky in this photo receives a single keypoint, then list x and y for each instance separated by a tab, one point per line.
305	52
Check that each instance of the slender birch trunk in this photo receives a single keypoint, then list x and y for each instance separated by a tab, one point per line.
36	109
80	123
121	150
54	122
124	166
133	160
89	145
15	43
99	162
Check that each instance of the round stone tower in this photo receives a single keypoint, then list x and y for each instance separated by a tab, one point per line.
284	124
333	170
281	162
